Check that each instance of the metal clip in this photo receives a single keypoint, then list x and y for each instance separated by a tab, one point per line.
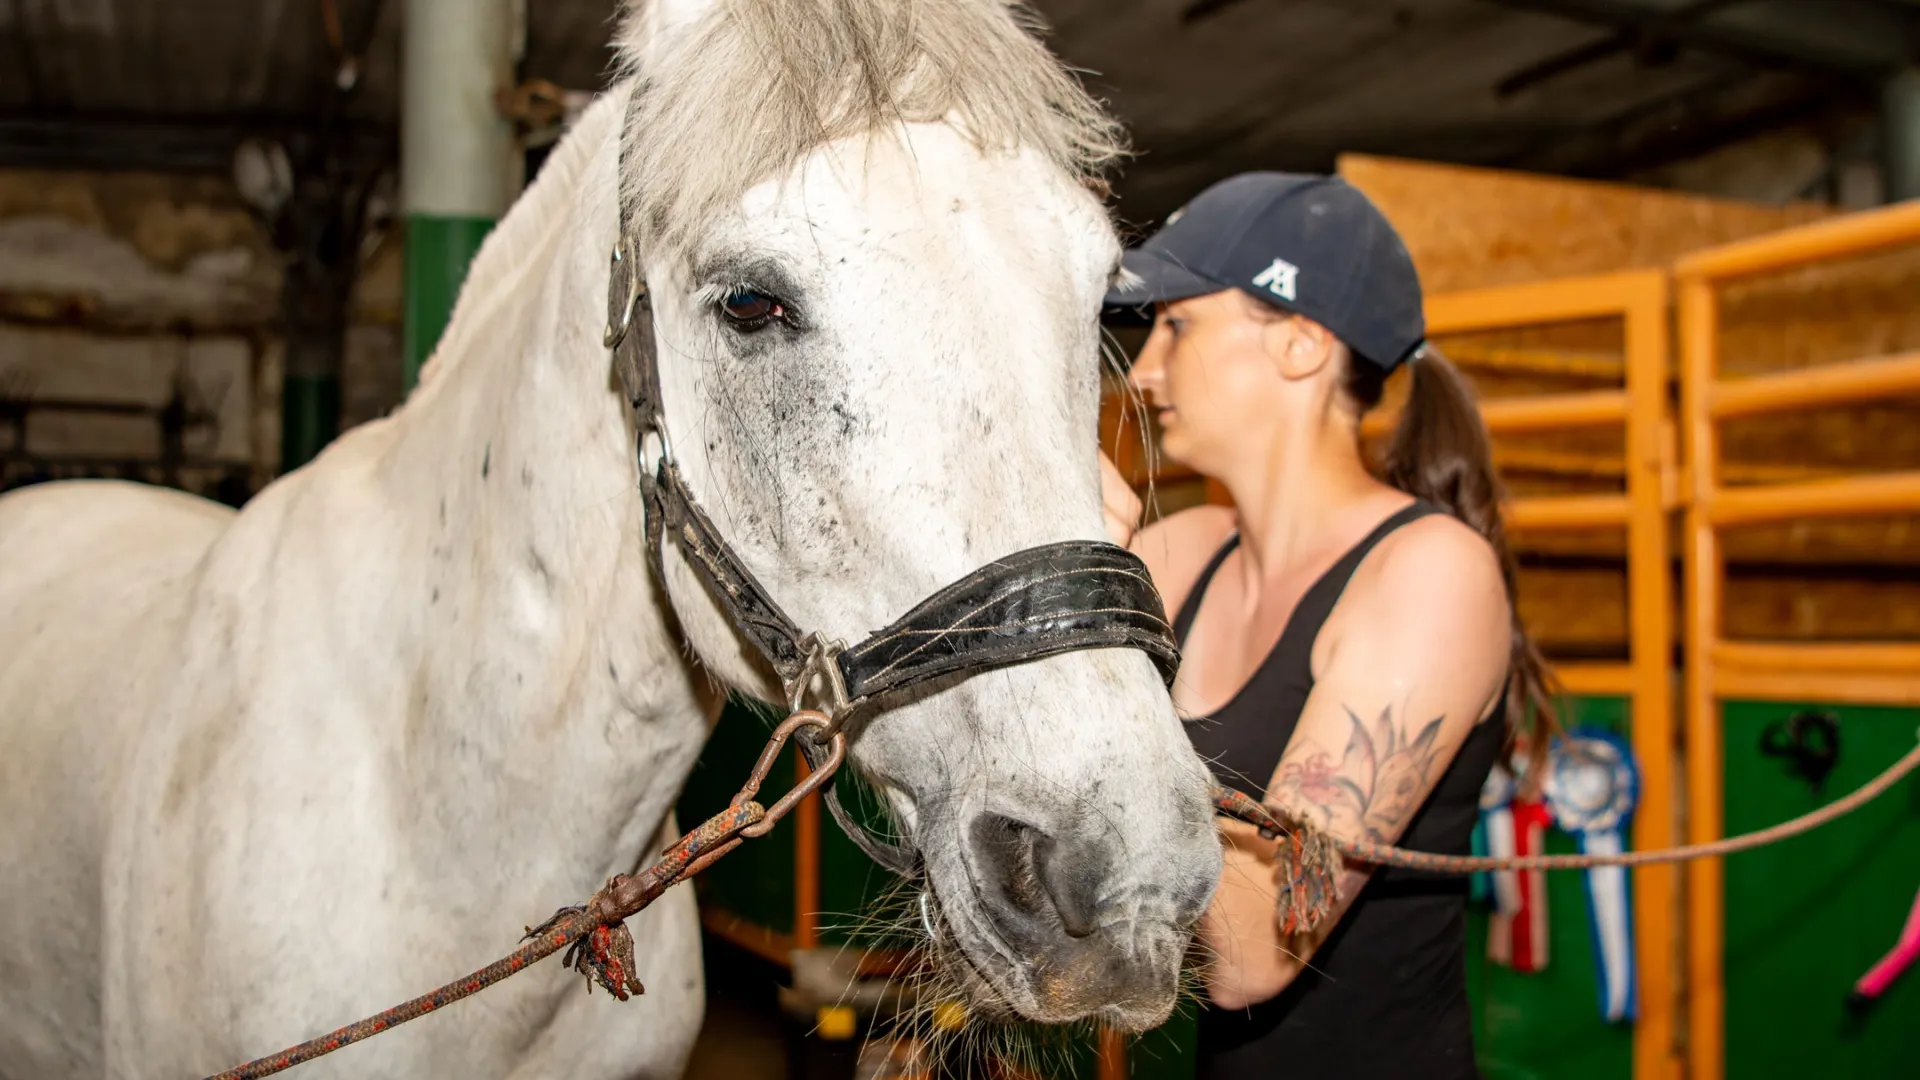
822	663
818	777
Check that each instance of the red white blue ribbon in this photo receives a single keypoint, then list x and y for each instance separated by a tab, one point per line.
1517	931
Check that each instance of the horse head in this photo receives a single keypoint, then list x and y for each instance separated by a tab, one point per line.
874	265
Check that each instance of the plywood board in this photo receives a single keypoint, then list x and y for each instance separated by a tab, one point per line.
1472	228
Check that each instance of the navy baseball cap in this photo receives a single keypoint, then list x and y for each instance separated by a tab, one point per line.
1311	245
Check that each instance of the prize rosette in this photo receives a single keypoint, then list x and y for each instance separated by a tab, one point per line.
1592	788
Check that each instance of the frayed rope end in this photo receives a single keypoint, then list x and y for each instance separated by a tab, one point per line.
1309	860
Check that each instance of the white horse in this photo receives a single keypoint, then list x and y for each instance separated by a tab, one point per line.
263	773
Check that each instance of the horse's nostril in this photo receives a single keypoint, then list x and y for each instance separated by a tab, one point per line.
1003	849
1072	883
1031	874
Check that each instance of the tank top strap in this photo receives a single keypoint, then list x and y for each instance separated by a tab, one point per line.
1318	602
1190	608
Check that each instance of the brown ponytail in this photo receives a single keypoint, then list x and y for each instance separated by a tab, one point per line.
1440	452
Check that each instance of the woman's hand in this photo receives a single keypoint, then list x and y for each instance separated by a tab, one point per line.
1118	502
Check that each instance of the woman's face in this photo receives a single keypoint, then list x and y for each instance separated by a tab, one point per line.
1216	369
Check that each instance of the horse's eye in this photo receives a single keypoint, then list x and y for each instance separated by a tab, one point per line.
750	310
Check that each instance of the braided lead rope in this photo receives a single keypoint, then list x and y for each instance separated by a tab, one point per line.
1309	886
623	896
598	944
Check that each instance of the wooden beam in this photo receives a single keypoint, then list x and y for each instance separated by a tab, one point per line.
1566	512
1769	42
1549	362
1852	235
1521	415
1848	383
1738	684
1704	577
1834	659
1886	493
768	944
1595	680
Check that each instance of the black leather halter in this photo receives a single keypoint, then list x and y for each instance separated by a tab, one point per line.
1045	600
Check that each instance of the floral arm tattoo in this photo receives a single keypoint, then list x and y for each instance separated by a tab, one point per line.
1375	787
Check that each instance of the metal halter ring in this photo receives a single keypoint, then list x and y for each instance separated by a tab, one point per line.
822	662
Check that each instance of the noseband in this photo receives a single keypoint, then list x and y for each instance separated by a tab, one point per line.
1045	600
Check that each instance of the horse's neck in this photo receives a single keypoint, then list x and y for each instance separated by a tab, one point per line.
548	707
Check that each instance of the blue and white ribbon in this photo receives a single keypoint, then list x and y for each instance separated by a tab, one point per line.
1593	785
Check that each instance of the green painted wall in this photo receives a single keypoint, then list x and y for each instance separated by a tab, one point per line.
1807	917
755	881
438	251
309	417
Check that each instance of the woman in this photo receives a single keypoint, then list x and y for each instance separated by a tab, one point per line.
1350	646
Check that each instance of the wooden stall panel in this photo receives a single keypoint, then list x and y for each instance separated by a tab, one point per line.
1797	360
1471	228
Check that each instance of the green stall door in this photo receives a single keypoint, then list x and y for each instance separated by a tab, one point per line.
1547	1025
1807	917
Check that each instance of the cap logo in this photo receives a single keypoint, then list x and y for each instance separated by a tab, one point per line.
1281	279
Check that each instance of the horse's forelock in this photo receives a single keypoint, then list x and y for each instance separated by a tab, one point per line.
733	92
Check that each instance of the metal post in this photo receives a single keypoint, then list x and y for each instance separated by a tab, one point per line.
458	165
1900	135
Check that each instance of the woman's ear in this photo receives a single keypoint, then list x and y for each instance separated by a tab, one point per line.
1298	346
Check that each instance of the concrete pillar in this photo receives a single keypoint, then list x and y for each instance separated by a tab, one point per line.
459	165
1900	135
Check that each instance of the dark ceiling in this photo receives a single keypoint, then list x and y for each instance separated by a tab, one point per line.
1582	87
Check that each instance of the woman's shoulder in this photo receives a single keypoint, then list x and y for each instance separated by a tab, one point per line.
1433	573
1438	542
1176	548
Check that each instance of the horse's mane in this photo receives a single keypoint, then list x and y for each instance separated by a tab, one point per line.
759	84
754	87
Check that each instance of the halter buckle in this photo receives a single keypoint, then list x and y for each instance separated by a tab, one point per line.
619	320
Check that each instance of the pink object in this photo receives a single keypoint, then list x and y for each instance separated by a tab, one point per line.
1881	975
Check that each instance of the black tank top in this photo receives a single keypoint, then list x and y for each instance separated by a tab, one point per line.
1386	995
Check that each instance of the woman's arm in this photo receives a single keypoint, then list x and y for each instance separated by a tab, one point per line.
1418	657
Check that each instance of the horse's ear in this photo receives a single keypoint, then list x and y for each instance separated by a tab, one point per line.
652	27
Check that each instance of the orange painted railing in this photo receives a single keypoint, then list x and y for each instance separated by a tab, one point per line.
1641	301
1718	669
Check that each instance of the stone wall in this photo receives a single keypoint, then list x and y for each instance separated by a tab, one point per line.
138	333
